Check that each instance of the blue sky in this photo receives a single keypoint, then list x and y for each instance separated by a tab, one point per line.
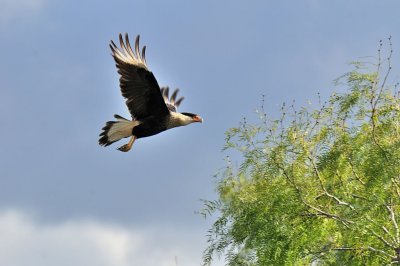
61	192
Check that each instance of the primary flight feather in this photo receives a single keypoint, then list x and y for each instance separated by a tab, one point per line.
150	106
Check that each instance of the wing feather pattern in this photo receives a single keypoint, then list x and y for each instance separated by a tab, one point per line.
171	102
137	82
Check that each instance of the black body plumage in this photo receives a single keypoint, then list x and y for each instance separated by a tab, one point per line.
150	126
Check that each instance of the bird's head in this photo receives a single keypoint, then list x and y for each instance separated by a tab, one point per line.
182	119
191	118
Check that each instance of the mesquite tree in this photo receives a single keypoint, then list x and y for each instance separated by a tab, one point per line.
318	185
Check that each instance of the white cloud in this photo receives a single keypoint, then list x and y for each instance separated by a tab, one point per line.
11	10
25	241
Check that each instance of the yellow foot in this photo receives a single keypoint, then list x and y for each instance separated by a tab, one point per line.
124	148
128	146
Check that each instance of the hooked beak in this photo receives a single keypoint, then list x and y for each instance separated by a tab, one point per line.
198	118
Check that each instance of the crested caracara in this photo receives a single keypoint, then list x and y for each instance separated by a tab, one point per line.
150	106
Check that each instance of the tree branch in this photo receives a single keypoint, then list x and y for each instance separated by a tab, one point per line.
317	173
365	248
382	252
393	218
354	172
379	236
382	239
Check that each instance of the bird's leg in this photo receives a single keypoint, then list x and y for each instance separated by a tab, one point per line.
127	146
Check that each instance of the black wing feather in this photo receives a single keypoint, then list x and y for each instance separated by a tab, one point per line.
138	84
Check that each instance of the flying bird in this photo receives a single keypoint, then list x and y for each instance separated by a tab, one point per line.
152	109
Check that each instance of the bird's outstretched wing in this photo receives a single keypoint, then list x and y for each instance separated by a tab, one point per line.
138	84
171	102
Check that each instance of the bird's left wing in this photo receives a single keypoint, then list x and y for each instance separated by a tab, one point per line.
171	102
137	82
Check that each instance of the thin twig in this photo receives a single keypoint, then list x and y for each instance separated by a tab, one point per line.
393	218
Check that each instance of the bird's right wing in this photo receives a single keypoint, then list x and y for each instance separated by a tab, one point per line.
137	82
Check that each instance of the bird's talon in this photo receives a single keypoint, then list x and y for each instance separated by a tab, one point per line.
124	148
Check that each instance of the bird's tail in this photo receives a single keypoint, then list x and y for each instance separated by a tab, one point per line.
116	130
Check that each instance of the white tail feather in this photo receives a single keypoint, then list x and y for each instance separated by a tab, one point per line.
121	129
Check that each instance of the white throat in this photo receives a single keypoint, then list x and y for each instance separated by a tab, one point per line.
178	119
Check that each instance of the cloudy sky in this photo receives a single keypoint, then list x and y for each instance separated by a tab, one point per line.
66	201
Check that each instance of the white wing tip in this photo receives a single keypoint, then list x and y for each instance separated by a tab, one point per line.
126	54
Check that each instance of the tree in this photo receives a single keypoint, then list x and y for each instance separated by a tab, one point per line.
315	186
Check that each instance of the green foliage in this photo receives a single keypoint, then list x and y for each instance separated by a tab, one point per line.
318	186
